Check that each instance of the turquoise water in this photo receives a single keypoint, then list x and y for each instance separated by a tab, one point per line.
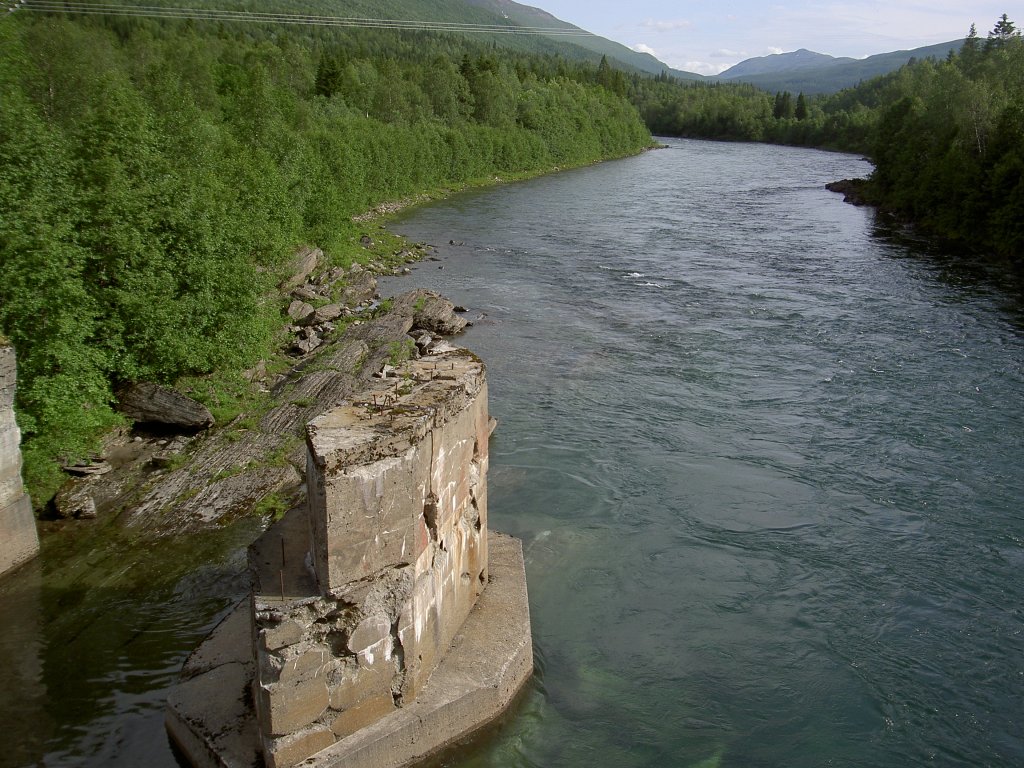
764	457
766	461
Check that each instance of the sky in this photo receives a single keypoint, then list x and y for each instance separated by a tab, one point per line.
709	37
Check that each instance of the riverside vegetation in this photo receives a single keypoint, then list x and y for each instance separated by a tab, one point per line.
155	179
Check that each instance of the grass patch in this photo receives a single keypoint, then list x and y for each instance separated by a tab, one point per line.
228	395
279	457
400	351
273	506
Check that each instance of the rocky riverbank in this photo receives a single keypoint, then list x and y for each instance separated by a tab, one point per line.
852	190
176	474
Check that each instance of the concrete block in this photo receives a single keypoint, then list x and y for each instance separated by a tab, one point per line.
363	714
288	707
489	661
8	376
291	750
312	663
363	682
209	718
371	634
19	539
288	632
228	642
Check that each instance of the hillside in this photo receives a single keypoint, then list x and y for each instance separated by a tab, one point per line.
813	73
502	23
529	16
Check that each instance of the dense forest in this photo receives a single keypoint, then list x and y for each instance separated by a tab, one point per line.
156	177
947	137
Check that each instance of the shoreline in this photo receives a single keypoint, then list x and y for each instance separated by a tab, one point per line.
384	211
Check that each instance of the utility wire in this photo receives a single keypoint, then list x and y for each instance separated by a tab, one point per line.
86	8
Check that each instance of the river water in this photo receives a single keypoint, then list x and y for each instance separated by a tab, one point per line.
765	459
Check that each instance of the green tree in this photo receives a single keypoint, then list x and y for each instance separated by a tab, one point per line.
1002	33
801	107
328	75
783	108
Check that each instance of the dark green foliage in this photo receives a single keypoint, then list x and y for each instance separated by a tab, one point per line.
801	108
783	105
156	176
949	151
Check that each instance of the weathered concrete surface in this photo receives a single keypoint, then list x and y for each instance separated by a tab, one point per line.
396	536
486	665
209	713
19	540
365	593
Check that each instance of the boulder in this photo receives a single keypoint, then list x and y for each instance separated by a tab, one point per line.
300	311
88	469
153	404
74	499
305	293
430	312
302	266
330	277
303	346
325	314
361	286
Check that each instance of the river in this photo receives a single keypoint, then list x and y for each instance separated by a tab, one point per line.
765	457
766	460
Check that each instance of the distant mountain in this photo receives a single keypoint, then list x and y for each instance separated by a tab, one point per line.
812	73
780	62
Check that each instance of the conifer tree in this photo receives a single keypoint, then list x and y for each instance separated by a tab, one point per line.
801	107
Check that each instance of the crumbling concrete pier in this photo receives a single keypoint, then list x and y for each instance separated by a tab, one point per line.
19	540
386	622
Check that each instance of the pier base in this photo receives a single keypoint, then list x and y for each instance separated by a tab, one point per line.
211	719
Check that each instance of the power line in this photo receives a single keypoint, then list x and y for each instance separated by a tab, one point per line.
83	7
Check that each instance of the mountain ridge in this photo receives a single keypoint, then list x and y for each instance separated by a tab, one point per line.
797	71
801	58
803	70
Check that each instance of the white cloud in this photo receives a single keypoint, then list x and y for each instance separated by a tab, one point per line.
666	25
702	67
725	53
772	49
642	48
